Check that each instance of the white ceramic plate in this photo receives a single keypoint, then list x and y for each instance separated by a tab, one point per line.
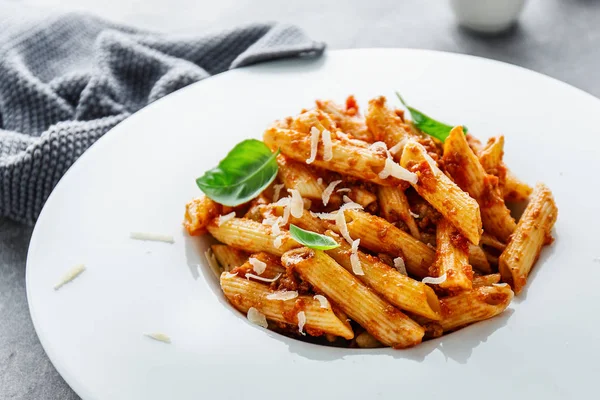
139	176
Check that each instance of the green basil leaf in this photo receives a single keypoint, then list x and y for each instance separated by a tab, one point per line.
426	124
241	176
311	239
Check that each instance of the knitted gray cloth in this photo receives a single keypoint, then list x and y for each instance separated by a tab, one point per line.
66	80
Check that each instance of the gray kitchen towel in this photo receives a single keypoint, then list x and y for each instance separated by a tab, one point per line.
67	79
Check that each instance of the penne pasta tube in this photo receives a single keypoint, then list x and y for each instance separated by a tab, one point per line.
385	125
478	259
229	257
515	190
198	213
533	231
384	322
348	158
491	159
466	170
398	289
474	305
362	196
380	236
492	259
485	280
251	236
304	122
295	175
346	119
443	194
394	206
244	294
452	258
491	241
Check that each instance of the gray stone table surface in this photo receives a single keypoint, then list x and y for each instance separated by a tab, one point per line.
560	38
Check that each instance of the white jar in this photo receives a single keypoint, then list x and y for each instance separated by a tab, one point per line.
489	16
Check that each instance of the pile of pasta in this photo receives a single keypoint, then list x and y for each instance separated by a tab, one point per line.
427	244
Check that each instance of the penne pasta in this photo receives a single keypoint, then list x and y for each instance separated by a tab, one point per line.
362	196
244	294
474	305
304	122
198	214
380	236
394	207
491	241
384	322
295	175
452	258
229	257
251	236
398	289
443	194
385	125
346	119
327	190
348	158
466	170
533	231
485	280
491	159
515	190
478	259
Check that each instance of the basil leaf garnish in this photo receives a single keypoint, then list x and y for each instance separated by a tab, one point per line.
241	176
312	239
426	124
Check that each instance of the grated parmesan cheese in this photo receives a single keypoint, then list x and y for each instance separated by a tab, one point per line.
277	190
161	337
350	206
500	284
354	260
392	168
320	181
380	146
212	262
225	218
153	237
314	144
301	322
434	281
344	190
328	191
340	222
229	275
285	202
277	241
69	276
283	295
400	265
322	300
256	317
327	145
260	278
328	216
257	265
296	204
412	214
398	147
